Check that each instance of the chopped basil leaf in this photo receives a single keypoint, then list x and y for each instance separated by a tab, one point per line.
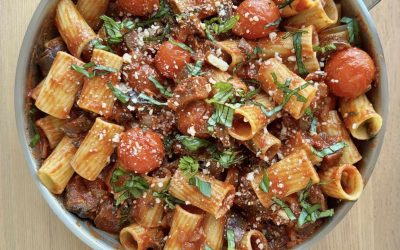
236	68
217	26
286	3
274	23
163	11
168	198
353	29
249	95
196	69
230	235
160	87
34	141
115	29
133	186
265	183
285	207
96	43
150	100
192	143
203	186
225	92
188	166
223	115
324	48
98	70
314	121
229	157
329	150
298	48
123	98
257	50
181	45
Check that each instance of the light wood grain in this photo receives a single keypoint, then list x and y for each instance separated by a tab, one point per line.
26	221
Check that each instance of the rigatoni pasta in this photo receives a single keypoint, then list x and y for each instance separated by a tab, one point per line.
92	10
73	28
360	117
58	92
95	150
56	170
136	237
96	94
51	127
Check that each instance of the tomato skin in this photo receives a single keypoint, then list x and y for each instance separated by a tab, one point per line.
195	115
255	15
171	59
350	73
139	7
138	74
140	151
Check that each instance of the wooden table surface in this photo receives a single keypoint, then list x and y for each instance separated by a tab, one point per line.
26	222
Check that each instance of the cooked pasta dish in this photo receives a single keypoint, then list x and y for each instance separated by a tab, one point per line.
203	124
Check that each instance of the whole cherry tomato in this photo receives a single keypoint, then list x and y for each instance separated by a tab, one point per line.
193	119
140	150
350	73
171	59
258	18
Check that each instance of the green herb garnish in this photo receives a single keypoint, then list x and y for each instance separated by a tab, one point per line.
121	96
188	166
329	150
218	26
162	12
203	186
285	207
225	92
230	236
168	198
181	45
324	48
192	143
195	70
116	30
274	23
354	30
150	100
298	48
160	87
206	247
265	183
314	121
96	43
133	186
229	157
36	137
223	115
97	70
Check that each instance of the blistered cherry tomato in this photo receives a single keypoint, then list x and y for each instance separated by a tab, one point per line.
171	59
140	150
138	77
258	18
193	118
139	7
350	73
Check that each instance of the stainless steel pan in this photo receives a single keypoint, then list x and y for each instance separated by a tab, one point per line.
27	74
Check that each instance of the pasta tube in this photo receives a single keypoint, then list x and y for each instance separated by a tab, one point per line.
286	177
36	91
56	171
184	226
96	149
321	16
231	48
159	183
73	28
51	127
222	194
268	103
248	120
221	76
283	46
342	182
136	237
333	126
360	117
214	231
60	87
264	145
298	142
92	10
295	107
96	95
253	240
149	211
